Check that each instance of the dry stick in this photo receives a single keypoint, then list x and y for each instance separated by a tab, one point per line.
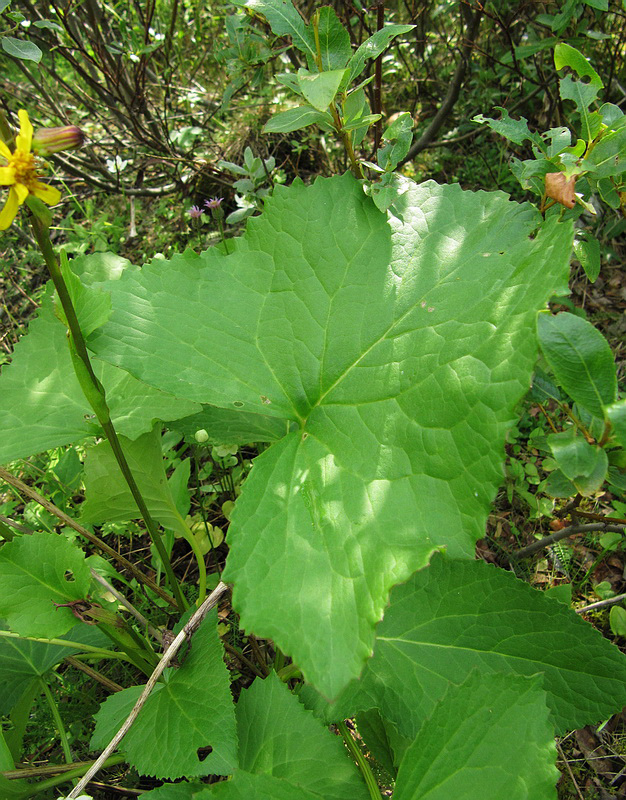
602	603
169	655
93	673
563	534
91	537
569	769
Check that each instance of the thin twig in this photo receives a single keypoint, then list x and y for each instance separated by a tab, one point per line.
234	651
602	603
169	655
572	530
93	673
569	769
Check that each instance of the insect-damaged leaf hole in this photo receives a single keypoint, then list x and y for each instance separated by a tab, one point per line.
203	752
68	577
237	403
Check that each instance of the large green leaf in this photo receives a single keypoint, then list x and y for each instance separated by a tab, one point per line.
398	344
22	660
454	617
38	572
192	709
227	426
580	358
42	405
490	737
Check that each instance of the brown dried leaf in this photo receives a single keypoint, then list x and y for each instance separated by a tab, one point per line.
560	189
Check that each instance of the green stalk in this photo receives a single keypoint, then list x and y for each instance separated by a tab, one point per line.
83	648
355	750
95	394
38	788
65	744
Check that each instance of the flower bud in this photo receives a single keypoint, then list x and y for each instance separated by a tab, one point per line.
52	140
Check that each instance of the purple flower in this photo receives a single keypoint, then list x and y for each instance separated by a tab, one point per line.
195	212
214	202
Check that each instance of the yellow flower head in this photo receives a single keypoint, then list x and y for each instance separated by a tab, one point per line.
20	173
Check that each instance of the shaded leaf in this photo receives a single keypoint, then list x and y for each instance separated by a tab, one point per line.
373	47
295	118
489	737
18	48
587	251
454	617
280	738
616	414
284	19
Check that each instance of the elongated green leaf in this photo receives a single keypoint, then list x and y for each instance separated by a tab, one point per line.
37	572
398	344
19	48
295	118
285	20
616	414
373	47
581	359
280	738
192	709
334	40
42	405
22	660
454	617
588	253
107	496
490	737
320	88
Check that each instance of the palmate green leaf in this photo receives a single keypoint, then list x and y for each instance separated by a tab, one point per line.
42	405
37	572
580	358
107	496
457	616
397	343
192	709
22	660
489	737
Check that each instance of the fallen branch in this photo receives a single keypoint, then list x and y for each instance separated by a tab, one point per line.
572	530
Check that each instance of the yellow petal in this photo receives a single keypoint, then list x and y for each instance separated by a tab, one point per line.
7	176
25	136
4	151
21	192
7	215
48	194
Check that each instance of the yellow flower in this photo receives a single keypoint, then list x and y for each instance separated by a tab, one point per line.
20	173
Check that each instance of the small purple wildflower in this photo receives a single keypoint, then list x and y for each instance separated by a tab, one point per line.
214	202
195	212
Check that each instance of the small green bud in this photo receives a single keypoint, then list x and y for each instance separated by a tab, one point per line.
201	436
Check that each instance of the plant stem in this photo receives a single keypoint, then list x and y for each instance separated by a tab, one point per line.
83	648
95	394
355	750
65	744
65	777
